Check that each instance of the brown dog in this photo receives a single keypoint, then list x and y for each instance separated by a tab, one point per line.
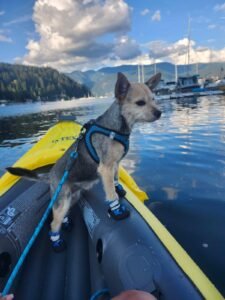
134	103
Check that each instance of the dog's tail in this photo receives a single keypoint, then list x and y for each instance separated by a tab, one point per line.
28	174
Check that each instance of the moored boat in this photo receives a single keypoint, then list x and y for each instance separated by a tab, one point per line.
186	84
216	85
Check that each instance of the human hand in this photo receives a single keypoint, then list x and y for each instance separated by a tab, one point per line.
134	295
7	297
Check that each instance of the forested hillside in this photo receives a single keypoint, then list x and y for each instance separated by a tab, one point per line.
19	83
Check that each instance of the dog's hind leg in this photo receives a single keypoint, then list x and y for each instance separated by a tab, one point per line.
116	211
60	210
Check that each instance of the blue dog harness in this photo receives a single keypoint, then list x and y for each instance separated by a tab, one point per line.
92	128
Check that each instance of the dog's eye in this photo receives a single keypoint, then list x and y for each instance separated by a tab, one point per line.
140	102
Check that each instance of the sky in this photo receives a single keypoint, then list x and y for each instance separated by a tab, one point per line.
89	34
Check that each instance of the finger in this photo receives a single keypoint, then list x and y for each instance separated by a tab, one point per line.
7	297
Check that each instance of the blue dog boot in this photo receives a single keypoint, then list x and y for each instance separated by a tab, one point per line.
58	244
118	211
120	190
67	224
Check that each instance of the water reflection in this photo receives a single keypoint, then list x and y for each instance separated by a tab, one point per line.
17	123
191	102
171	192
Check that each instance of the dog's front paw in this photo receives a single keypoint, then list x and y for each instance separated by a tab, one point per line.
59	245
67	224
120	190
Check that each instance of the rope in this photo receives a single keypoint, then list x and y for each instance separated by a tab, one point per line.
99	293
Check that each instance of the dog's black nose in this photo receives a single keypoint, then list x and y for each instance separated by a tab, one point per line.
157	113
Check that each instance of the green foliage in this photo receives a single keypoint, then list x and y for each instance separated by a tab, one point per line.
19	83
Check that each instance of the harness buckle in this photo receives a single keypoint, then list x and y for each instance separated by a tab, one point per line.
112	135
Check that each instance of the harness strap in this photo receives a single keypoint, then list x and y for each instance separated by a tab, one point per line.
114	135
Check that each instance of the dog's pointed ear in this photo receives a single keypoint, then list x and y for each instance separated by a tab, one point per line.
153	81
122	86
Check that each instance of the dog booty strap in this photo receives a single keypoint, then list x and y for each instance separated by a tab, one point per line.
118	211
114	204
120	190
58	244
54	236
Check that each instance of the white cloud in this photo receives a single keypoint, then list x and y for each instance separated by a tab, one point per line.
161	49
156	16
177	52
72	33
2	12
89	34
145	11
212	26
18	20
5	39
220	7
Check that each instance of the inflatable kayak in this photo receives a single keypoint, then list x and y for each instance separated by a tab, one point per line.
103	256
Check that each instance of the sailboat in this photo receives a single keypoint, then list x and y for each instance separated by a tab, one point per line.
188	83
215	85
165	88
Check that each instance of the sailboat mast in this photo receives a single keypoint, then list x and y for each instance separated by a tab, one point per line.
142	73
176	74
139	77
196	68
189	39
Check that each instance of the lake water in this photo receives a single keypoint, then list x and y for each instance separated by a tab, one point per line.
178	160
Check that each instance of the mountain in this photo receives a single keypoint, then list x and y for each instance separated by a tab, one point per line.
102	82
19	83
